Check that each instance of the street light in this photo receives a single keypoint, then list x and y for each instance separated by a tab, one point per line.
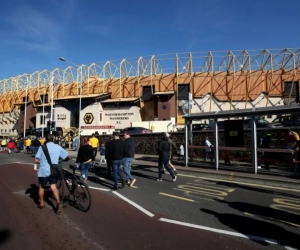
80	93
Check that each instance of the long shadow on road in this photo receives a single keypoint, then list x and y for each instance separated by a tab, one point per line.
33	192
5	235
254	227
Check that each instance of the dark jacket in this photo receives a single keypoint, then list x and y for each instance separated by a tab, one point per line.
129	149
36	143
85	153
102	150
116	149
107	151
163	149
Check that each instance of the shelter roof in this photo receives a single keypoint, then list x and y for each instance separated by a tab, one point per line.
286	109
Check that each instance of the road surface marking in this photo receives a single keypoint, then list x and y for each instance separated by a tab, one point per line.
203	191
134	204
17	162
247	236
102	189
177	197
241	183
231	176
197	190
286	205
272	219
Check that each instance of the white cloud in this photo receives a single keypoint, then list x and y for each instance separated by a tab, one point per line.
37	30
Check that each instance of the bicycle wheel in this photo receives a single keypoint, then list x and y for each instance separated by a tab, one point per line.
60	187
82	196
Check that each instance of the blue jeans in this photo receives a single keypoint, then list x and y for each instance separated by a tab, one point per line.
126	165
84	168
165	163
116	164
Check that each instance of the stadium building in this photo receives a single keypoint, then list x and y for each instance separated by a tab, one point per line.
118	94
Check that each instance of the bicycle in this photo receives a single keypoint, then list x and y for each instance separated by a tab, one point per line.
78	192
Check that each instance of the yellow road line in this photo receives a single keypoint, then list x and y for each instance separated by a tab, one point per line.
231	176
177	197
270	218
242	183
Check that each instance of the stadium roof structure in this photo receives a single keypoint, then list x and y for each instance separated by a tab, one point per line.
236	75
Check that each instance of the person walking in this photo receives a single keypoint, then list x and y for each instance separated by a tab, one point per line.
116	149
35	145
102	154
129	151
95	144
172	144
3	144
44	173
181	152
11	146
84	158
28	144
208	150
76	143
163	150
108	156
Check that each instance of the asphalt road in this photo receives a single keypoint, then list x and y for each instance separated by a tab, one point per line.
192	213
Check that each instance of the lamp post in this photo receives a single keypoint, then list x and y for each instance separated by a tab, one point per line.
80	91
25	110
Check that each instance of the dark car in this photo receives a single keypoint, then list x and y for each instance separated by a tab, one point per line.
135	130
262	123
288	120
196	127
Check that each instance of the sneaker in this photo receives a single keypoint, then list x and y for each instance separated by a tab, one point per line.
174	178
123	183
258	167
132	182
59	208
158	179
115	187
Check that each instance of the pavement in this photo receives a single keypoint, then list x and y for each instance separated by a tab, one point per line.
235	174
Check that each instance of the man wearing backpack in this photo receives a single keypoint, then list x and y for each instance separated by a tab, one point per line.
44	174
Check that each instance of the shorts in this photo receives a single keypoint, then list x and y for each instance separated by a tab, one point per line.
44	180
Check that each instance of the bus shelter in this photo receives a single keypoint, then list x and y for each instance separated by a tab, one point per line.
235	114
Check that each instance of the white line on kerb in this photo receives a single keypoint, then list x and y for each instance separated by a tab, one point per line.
102	189
289	248
134	204
251	237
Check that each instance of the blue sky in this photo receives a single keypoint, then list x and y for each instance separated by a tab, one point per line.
35	33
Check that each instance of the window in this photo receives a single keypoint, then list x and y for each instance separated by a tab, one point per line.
4	130
147	93
100	117
183	91
44	98
42	119
9	130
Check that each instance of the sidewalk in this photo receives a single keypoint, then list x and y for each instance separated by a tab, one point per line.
233	175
